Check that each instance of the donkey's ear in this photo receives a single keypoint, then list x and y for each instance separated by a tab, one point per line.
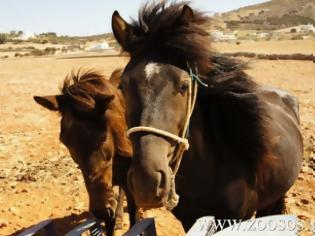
115	77
121	29
187	15
53	103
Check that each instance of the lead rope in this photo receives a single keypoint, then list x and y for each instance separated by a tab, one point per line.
182	140
173	197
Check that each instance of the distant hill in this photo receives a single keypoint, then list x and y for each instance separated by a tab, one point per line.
271	15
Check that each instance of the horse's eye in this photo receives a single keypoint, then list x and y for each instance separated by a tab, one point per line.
121	90
184	86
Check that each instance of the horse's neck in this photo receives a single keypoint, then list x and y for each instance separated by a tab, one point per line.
201	151
228	126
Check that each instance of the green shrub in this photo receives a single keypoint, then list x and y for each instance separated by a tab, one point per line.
49	34
50	51
3	39
29	48
54	41
289	20
37	52
38	40
16	41
297	37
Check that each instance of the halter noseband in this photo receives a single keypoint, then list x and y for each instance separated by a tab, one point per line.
183	143
179	140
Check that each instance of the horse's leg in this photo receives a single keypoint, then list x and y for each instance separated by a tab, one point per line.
132	209
102	204
109	223
276	208
185	213
119	214
188	222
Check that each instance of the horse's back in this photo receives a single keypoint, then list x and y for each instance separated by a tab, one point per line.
284	135
289	102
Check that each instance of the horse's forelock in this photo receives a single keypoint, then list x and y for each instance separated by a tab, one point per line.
81	89
158	28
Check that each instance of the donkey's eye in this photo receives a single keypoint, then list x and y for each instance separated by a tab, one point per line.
184	86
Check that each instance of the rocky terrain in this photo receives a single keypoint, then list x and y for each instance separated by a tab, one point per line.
275	14
39	180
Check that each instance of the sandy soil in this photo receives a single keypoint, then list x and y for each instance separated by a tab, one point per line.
28	44
269	47
38	179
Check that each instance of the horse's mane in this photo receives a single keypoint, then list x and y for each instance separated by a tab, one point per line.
227	75
87	92
158	30
237	111
84	88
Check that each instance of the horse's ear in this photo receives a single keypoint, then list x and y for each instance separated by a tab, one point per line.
187	15
115	77
52	103
121	29
102	102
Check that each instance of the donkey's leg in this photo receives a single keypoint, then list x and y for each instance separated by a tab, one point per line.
276	208
119	214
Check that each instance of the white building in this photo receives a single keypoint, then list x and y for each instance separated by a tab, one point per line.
26	36
299	29
98	46
263	35
221	36
308	28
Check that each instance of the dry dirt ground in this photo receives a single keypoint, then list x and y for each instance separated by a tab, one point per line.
269	47
39	180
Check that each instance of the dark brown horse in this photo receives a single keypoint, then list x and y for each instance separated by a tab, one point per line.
245	144
93	129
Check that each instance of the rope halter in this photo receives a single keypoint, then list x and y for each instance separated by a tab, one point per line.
181	139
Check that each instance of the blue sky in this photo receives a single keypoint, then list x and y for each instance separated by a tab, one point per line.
82	17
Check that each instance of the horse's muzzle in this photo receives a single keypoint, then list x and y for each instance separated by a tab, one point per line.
149	189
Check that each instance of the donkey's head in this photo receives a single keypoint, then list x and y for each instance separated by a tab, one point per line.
93	129
163	44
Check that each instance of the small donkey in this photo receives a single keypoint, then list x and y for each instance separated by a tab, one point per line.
93	129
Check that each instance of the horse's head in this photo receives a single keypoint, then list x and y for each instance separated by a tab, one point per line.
156	85
92	128
157	98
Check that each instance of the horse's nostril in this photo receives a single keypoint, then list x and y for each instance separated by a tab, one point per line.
144	186
161	184
162	179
